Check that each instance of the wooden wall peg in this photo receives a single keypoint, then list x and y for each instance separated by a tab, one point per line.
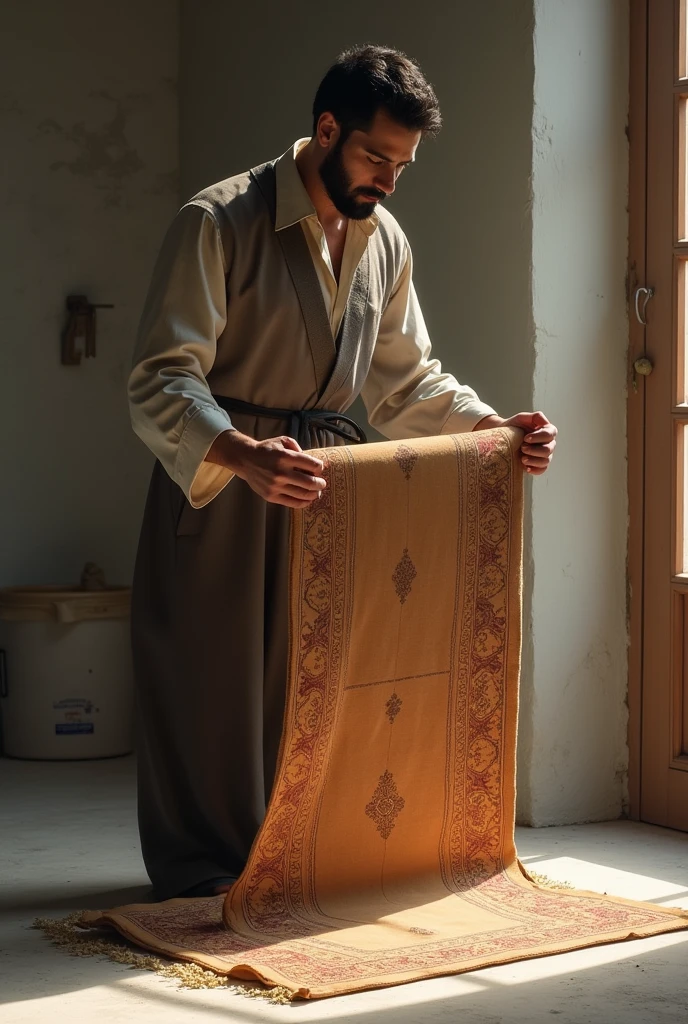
81	323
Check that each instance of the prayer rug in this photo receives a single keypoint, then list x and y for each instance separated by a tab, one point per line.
387	852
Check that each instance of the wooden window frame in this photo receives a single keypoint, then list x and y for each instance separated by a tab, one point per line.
637	185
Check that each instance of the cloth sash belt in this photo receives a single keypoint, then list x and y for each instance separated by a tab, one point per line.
302	422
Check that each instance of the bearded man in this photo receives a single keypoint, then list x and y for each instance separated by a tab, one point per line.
278	297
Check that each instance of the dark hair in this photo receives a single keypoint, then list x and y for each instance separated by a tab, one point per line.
366	79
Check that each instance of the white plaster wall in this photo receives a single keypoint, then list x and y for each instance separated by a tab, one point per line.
573	753
88	122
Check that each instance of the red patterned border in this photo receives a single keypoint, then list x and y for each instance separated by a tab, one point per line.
276	891
472	844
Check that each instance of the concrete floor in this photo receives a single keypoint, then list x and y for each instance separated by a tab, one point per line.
69	841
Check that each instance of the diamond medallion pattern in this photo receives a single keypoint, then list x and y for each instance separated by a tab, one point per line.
386	805
406	459
393	707
403	576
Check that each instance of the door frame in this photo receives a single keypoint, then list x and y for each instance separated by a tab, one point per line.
635	412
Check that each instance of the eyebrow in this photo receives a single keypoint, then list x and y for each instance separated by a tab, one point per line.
387	159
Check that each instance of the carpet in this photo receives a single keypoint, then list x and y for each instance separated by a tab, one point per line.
387	853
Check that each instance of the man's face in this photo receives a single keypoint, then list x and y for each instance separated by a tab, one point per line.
362	171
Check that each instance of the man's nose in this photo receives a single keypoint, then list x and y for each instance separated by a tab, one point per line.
386	181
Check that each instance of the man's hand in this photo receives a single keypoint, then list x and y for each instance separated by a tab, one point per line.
277	469
539	442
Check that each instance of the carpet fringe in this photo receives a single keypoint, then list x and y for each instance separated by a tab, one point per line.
547	882
70	935
67	933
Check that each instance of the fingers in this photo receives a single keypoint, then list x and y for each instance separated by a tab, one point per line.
289	491
294	485
535	463
306	463
290	443
539	450
299	476
276	472
538	419
536	424
289	502
538	447
288	454
542	436
302	481
282	474
522	420
279	488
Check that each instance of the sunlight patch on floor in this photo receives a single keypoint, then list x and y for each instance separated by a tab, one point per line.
613	881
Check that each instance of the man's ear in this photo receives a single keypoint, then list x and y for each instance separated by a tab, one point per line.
328	130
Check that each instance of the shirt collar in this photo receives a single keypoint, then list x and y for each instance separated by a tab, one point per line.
293	204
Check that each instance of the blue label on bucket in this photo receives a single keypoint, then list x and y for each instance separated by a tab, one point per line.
73	727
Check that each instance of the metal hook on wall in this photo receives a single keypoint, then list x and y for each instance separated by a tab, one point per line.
648	293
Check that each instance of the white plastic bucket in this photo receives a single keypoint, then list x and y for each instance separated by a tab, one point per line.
66	689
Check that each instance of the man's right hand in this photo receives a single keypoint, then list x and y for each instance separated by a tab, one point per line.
277	469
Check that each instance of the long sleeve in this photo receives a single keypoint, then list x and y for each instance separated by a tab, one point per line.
406	393
172	409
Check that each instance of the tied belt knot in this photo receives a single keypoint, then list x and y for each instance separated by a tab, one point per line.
301	422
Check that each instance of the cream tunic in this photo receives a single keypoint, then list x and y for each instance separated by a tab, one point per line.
405	391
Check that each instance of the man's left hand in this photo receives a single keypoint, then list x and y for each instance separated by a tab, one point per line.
539	441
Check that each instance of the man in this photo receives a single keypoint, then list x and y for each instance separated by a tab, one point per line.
279	296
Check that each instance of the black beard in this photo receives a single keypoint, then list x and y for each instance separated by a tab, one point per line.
338	187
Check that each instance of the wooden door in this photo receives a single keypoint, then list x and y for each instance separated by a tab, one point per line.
658	413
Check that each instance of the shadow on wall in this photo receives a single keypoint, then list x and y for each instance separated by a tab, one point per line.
90	183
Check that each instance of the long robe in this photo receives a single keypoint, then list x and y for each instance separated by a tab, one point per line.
209	615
